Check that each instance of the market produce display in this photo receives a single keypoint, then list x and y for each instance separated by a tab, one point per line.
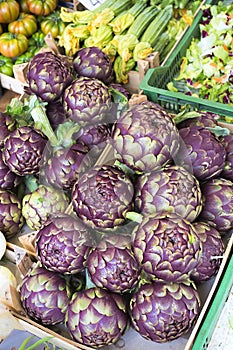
123	200
126	31
24	25
206	68
106	233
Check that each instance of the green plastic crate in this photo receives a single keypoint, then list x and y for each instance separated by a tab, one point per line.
155	81
206	330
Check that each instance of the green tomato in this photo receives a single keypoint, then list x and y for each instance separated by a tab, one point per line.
13	45
52	24
25	57
6	65
9	10
36	41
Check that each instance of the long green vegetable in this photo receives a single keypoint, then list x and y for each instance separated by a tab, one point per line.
125	19
143	20
117	6
157	26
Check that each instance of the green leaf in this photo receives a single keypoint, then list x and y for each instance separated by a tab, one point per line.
65	132
219	131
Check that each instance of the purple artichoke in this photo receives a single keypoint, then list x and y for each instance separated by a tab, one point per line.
163	312
96	135
172	189
63	168
203	150
227	142
95	138
111	264
87	101
45	295
48	75
11	218
145	137
96	317
217	207
23	150
212	252
43	203
7	125
167	247
205	119
8	179
63	244
55	113
102	196
121	88
92	62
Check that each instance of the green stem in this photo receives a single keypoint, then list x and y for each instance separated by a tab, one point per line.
31	347
42	123
133	216
39	342
24	343
65	132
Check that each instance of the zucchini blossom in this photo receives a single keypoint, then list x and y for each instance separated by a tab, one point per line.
99	37
72	36
141	51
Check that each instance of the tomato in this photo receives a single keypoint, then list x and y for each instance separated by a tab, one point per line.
25	24
9	10
6	65
41	7
13	45
52	24
24	58
36	42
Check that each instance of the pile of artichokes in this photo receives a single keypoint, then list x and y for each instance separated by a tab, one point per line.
121	240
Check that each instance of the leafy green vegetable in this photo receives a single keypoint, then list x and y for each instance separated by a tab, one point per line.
207	67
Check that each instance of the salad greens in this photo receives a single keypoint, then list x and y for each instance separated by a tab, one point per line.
206	71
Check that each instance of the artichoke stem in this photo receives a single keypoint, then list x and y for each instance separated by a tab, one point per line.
133	216
42	123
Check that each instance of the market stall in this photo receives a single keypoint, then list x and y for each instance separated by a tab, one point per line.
116	188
